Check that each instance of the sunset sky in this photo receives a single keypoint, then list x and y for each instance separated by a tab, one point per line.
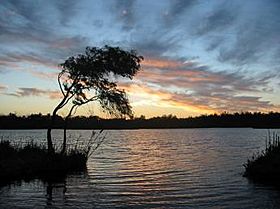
201	56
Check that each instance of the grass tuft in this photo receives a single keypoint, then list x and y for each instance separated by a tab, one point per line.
265	166
31	160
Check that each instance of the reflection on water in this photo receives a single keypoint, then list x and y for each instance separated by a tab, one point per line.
180	168
52	187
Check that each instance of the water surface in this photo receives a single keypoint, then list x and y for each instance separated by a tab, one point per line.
170	168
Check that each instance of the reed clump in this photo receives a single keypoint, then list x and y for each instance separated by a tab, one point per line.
32	160
265	166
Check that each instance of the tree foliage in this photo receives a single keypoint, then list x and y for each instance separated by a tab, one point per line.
93	71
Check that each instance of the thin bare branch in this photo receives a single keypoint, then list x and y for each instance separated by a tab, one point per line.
75	110
66	101
59	82
94	98
71	110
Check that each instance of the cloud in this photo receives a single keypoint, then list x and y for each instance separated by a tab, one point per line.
161	63
153	44
3	88
38	12
43	75
13	59
124	11
237	33
29	27
26	92
196	88
179	6
217	20
176	9
198	78
67	10
230	38
242	33
193	104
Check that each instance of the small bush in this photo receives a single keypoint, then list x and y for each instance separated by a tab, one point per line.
265	166
33	161
28	161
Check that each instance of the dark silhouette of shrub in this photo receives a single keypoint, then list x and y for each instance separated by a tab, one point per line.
265	166
33	161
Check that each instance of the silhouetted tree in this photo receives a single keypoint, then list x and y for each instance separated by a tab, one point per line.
90	77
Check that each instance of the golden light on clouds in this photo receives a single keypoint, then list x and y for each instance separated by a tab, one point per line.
161	63
143	96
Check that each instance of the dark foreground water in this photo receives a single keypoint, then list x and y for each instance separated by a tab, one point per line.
179	168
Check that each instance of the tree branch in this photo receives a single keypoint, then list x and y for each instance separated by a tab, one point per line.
75	106
94	98
66	101
58	79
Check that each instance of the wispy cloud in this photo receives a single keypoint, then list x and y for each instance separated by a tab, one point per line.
13	62
3	88
194	104
30	31
26	92
162	63
199	78
176	10
12	59
235	43
196	88
124	11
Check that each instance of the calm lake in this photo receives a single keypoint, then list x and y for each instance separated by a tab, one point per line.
170	168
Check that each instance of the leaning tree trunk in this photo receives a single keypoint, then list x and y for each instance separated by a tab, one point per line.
49	135
65	129
64	136
63	102
49	132
58	107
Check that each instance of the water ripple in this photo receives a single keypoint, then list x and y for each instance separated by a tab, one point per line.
193	168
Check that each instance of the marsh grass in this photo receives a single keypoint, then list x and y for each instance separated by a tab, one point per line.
265	166
31	160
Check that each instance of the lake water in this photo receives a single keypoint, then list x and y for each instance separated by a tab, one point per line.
170	168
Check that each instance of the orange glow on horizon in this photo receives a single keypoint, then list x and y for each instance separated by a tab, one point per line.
145	96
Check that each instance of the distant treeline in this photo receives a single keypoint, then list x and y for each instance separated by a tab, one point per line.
247	119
